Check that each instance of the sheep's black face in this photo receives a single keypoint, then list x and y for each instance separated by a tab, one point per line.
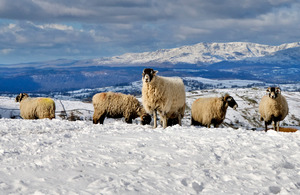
146	119
18	98
231	102
273	92
148	74
21	96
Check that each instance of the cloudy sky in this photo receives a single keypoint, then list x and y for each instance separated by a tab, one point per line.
37	30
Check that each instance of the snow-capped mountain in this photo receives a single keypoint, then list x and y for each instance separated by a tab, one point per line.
235	60
209	53
198	54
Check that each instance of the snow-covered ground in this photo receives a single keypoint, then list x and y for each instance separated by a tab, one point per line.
76	157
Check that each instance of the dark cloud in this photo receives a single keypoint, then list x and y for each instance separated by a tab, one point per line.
121	11
240	9
93	28
92	11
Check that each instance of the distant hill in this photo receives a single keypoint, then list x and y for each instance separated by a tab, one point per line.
234	60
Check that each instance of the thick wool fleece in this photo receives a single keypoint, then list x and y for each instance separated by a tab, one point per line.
116	105
207	111
273	108
37	108
165	95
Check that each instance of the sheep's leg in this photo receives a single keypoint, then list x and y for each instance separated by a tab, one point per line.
98	117
179	119
266	126
216	125
95	117
164	120
277	125
274	125
196	123
102	117
192	121
128	120
154	118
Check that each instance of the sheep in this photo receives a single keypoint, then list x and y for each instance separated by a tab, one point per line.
273	107
165	95
36	108
118	105
212	110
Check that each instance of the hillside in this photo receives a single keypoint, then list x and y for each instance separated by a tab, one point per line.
246	116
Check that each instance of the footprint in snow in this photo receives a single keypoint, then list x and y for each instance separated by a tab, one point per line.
198	188
274	189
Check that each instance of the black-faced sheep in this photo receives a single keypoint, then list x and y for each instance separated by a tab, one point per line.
118	105
207	111
165	95
273	107
36	108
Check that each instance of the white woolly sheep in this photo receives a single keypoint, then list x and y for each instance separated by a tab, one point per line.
165	95
273	107
118	105
207	111
36	108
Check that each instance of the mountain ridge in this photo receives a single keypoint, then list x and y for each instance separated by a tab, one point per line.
233	60
200	54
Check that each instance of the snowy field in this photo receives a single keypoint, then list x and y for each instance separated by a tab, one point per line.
76	157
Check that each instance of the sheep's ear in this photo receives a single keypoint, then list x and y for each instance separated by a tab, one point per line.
24	95
277	89
17	98
154	72
144	72
229	99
